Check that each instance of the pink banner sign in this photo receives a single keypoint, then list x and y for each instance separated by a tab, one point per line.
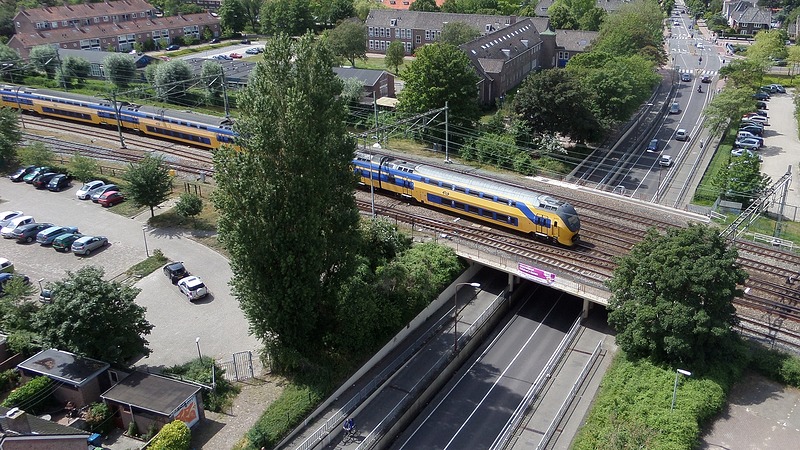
535	274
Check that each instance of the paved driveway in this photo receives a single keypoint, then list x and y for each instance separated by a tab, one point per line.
216	320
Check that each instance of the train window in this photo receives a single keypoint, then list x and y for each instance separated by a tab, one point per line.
546	223
487	213
473	209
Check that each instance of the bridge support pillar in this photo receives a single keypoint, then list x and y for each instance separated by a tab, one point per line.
512	282
585	312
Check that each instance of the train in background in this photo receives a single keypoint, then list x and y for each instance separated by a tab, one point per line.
182	126
532	213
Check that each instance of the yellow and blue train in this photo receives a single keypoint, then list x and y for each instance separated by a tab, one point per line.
532	213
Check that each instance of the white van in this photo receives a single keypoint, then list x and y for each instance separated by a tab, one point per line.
665	160
7	230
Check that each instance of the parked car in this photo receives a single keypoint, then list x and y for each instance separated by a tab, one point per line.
682	135
222	58
748	143
761	105
746	134
770	89
778	88
652	146
87	244
6	277
27	233
760	113
173	47
47	236
6	216
738	151
214	41
59	182
84	192
193	288
235	55
686	77
175	271
13	224
705	79
46	296
757	119
96	193
111	198
41	181
665	161
35	173
20	173
761	95
64	242
6	266
752	129
252	51
245	41
674	108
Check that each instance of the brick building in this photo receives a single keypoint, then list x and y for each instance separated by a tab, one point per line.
103	26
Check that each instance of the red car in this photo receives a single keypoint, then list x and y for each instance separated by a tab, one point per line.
235	55
111	198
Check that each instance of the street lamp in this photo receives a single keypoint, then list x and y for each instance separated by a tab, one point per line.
455	314
144	234
41	289
197	342
678	373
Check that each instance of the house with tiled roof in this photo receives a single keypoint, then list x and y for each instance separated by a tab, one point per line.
746	17
404	4
504	58
102	26
22	431
569	43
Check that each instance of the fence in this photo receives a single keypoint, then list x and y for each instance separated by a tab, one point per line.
239	368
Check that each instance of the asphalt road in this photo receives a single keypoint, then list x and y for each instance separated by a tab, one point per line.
216	320
480	400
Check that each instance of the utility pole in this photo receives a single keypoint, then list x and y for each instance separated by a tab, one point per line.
61	68
375	108
119	122
446	134
225	94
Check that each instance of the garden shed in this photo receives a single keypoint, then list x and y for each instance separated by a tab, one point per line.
77	379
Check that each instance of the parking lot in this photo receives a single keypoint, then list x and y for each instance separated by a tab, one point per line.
216	319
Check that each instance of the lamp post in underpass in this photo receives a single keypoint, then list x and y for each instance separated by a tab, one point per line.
455	313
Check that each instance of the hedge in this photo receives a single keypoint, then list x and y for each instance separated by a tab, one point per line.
30	396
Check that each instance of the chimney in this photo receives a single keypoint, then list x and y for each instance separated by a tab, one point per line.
17	421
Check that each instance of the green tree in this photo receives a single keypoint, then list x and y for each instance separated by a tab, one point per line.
232	16
744	181
636	28
149	182
352	90
74	70
94	318
768	44
744	73
171	79
44	59
295	143
728	107
561	17
593	19
457	33
362	7
441	73
213	78
173	436
424	5
793	57
120	70
395	53
331	12
83	168
672	297
292	17
347	40
11	66
10	136
251	10
189	205
554	101
36	154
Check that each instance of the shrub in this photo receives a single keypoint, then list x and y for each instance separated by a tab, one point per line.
289	409
173	436
8	379
189	205
31	395
776	365
200	371
151	432
98	418
133	430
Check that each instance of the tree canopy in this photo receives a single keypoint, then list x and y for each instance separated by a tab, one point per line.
768	45
395	53
347	40
292	17
94	318
285	196
119	69
45	59
232	16
728	106
171	79
457	33
742	180
636	28
672	297
10	135
149	182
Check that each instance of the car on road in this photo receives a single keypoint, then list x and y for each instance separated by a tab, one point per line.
748	143
35	173
700	45
705	79
686	77
84	192
20	173
6	216
665	161
87	244
682	135
27	233
193	288
64	242
761	95
6	277
173	47
47	236
235	55
676	23
6	266
96	193
674	108
653	145
12	225
175	271
245	41
41	181
59	182
111	198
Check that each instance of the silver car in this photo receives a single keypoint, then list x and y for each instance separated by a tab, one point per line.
96	193
83	192
87	244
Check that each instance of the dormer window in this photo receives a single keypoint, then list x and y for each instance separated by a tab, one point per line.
488	27
393	22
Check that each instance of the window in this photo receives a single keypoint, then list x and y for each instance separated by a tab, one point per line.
64	23
393	22
371	32
427	35
53	24
371	45
114	18
39	25
419	39
105	18
96	20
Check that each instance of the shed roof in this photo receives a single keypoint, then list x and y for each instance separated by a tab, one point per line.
26	424
64	366
368	77
151	392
